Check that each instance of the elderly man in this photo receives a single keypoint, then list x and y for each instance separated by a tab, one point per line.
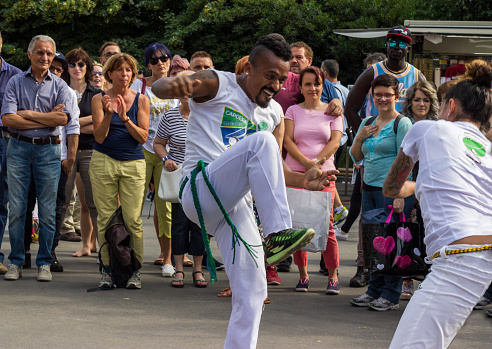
33	108
6	72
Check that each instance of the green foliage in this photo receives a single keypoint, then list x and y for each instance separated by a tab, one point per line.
226	29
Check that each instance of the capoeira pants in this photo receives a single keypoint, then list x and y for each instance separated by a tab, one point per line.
251	165
444	300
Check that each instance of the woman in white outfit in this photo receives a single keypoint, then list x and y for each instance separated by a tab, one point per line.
454	186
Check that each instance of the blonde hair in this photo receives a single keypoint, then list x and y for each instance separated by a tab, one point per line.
116	61
185	73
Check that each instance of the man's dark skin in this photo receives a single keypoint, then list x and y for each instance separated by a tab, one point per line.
395	63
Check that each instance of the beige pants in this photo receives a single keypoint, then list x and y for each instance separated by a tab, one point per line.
154	167
111	178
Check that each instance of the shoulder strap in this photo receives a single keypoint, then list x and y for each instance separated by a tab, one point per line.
397	121
371	120
144	84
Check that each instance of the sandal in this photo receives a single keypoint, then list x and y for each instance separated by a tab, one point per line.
226	292
187	263
178	283
159	261
200	283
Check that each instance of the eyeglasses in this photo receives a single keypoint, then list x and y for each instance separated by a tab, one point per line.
55	69
163	59
97	73
379	96
401	45
42	53
79	64
109	54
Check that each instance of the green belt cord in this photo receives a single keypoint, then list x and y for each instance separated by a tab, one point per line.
236	238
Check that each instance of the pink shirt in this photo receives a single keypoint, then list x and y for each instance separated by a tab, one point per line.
312	132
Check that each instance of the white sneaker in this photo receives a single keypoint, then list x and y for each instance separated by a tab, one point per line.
44	273
341	236
13	273
167	270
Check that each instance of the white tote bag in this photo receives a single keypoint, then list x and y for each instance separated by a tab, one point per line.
169	185
311	209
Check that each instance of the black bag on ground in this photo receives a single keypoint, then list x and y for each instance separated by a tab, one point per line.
122	259
393	247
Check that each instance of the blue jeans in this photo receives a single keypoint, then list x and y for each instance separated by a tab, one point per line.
44	163
388	287
4	191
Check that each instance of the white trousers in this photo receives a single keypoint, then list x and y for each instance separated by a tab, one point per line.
444	300
252	165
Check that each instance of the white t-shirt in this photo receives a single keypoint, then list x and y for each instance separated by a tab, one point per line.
221	122
454	185
158	107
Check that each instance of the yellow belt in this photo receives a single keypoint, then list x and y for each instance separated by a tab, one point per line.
464	250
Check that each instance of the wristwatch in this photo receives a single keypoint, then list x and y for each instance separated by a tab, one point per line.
165	158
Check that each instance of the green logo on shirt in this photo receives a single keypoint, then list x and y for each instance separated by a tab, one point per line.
475	147
262	126
235	126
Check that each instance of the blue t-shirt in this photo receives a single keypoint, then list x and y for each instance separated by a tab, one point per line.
380	151
119	143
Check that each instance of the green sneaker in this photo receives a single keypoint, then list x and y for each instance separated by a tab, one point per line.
284	243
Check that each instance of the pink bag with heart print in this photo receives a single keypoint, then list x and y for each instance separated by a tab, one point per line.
394	248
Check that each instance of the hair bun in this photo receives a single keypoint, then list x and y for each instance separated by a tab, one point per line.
479	73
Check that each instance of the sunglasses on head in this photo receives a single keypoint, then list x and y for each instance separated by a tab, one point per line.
79	64
154	60
401	45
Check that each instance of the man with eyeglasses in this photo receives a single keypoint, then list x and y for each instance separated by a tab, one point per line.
107	50
6	72
33	108
398	44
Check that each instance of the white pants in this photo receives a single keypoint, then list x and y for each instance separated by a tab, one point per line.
253	164
444	300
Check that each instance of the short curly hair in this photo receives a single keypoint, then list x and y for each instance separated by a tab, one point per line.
430	93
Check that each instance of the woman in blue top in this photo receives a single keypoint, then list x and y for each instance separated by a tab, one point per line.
378	144
117	170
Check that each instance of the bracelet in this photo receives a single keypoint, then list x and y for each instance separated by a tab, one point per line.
127	119
165	158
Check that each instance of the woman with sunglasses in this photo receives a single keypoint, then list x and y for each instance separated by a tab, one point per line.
378	144
157	59
80	74
97	79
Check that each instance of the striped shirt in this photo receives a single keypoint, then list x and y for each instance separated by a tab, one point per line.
172	128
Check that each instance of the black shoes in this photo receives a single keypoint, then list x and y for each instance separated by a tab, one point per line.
56	267
27	261
360	279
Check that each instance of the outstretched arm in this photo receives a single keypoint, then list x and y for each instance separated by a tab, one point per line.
396	184
201	86
313	179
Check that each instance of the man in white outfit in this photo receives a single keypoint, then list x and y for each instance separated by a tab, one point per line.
222	132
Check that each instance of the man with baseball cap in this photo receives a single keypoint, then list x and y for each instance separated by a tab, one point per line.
398	44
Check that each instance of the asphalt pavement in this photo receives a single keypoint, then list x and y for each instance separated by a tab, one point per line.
62	314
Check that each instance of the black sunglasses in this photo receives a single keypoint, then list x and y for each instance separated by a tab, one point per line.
155	60
79	64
